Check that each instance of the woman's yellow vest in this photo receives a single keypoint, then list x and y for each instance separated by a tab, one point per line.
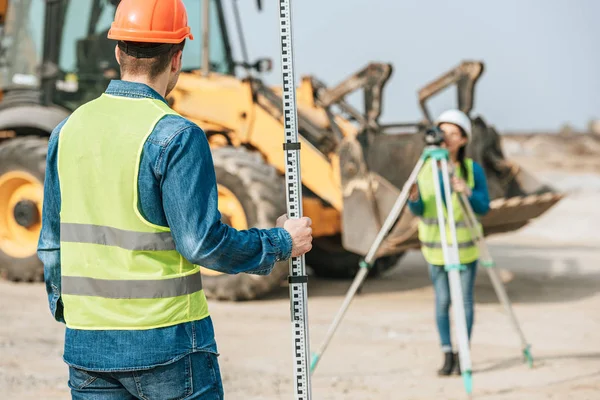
429	232
119	271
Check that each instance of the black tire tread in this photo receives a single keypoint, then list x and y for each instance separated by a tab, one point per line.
329	259
265	189
23	153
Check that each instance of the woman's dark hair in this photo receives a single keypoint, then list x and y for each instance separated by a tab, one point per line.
461	157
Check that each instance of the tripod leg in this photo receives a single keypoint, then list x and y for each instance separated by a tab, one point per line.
488	263
358	279
369	259
394	213
453	265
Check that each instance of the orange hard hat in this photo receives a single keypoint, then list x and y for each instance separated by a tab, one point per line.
151	21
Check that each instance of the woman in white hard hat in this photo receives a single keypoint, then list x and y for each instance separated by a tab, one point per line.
468	178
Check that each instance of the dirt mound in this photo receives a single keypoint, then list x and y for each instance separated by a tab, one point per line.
578	153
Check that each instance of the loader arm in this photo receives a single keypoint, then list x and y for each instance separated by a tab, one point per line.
350	114
372	78
465	77
273	103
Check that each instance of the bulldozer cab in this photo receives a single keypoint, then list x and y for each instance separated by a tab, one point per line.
63	46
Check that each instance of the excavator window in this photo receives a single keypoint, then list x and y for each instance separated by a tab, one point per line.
84	40
90	20
86	61
21	45
218	46
87	58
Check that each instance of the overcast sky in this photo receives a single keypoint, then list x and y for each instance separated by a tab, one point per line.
542	57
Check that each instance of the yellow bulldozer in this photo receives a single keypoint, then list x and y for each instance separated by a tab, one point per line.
55	56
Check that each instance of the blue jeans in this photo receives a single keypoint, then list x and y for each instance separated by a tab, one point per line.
195	376
439	278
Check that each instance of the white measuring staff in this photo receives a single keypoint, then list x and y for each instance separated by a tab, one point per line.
298	279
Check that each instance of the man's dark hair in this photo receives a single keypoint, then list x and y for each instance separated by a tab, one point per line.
146	58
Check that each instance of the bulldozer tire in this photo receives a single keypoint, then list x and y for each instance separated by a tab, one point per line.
260	192
328	259
22	166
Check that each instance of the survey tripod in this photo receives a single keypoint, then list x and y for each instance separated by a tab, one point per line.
436	155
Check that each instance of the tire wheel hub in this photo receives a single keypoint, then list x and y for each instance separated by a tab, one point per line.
21	196
26	213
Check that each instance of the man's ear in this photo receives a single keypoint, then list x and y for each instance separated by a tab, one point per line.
176	61
117	54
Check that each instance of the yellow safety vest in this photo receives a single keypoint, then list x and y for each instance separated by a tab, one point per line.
119	271
429	232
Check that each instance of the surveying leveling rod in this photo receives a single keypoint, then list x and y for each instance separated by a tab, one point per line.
488	262
298	279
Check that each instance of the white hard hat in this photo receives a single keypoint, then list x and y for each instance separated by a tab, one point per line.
456	117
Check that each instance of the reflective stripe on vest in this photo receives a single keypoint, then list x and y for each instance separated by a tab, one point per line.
429	233
434	221
438	245
119	271
131	289
83	233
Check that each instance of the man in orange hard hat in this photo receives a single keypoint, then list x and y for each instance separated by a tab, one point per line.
130	211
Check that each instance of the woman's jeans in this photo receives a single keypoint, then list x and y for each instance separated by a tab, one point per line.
195	376
439	278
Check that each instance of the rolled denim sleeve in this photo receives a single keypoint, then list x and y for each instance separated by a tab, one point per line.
49	241
190	202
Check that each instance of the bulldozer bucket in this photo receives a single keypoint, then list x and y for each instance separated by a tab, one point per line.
376	164
369	194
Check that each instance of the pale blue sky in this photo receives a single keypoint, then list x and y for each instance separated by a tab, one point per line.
542	57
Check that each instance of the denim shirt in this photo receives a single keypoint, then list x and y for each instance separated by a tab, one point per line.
177	188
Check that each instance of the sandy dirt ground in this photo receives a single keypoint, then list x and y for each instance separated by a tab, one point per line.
387	345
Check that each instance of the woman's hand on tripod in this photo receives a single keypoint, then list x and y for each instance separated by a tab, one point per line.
414	192
460	186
